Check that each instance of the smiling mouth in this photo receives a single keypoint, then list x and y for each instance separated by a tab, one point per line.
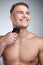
23	20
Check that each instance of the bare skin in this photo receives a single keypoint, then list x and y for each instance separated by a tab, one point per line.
24	48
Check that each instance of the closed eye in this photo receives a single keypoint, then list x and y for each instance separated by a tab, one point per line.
19	12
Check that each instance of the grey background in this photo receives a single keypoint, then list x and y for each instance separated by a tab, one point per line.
36	14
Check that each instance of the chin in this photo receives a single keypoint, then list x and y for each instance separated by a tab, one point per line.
24	26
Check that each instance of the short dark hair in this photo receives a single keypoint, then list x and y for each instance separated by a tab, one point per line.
16	4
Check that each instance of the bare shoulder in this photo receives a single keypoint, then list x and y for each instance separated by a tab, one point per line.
34	36
37	39
1	37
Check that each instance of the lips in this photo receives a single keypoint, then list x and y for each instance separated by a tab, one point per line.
24	22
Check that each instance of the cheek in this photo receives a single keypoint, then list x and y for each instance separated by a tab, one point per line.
17	18
29	18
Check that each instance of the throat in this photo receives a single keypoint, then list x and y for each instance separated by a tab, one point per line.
23	33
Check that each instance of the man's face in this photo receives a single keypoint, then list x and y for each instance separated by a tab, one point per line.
20	16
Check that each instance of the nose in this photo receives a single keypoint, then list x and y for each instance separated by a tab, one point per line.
24	15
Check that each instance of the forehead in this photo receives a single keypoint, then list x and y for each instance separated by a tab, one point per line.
20	8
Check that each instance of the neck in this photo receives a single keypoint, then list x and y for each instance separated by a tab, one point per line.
23	33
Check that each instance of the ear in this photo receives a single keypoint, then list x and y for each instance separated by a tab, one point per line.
11	18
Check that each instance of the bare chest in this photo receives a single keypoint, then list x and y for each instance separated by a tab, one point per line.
24	51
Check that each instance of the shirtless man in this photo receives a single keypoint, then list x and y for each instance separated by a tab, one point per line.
24	48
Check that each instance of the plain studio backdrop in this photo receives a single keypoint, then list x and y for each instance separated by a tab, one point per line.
36	15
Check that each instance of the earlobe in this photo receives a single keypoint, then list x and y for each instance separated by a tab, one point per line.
10	17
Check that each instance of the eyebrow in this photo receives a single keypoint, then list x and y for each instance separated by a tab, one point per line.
22	11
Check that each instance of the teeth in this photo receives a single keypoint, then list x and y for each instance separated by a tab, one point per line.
24	20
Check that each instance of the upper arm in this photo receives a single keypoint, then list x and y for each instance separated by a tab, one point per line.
41	53
1	45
